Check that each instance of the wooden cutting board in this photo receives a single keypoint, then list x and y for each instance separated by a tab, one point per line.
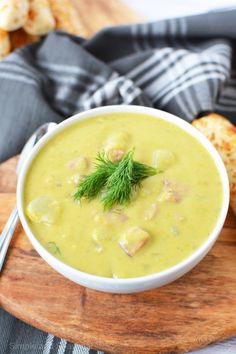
196	310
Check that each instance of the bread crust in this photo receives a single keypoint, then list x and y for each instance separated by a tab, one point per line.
222	133
13	14
40	20
5	45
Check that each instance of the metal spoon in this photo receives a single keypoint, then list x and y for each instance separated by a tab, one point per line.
10	226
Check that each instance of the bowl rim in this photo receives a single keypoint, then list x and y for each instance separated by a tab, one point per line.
193	258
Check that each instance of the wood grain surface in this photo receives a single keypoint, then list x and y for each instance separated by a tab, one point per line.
198	309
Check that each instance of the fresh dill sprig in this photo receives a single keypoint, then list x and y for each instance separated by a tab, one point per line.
116	179
119	184
93	184
143	171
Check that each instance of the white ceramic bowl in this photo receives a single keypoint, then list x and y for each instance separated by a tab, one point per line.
132	284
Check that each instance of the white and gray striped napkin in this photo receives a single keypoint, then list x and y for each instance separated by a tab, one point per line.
186	66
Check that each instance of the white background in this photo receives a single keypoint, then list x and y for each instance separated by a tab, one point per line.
160	9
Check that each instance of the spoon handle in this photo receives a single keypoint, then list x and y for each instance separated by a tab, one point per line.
7	234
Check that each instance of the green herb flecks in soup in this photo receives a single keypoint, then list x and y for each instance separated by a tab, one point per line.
122	195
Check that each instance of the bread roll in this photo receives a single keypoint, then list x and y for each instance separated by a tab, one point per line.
68	17
4	44
222	134
40	20
13	14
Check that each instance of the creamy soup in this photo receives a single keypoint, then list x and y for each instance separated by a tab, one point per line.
170	215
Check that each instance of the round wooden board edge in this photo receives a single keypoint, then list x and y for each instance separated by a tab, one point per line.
112	348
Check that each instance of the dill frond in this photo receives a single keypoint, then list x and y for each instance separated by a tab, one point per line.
117	179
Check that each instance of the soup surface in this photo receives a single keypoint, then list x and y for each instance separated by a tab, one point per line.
169	217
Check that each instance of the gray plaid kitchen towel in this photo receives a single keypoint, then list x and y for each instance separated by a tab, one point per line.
186	66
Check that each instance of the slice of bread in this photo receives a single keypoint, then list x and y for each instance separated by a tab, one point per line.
222	134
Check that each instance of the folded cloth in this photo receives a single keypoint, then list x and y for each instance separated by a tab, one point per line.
185	66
